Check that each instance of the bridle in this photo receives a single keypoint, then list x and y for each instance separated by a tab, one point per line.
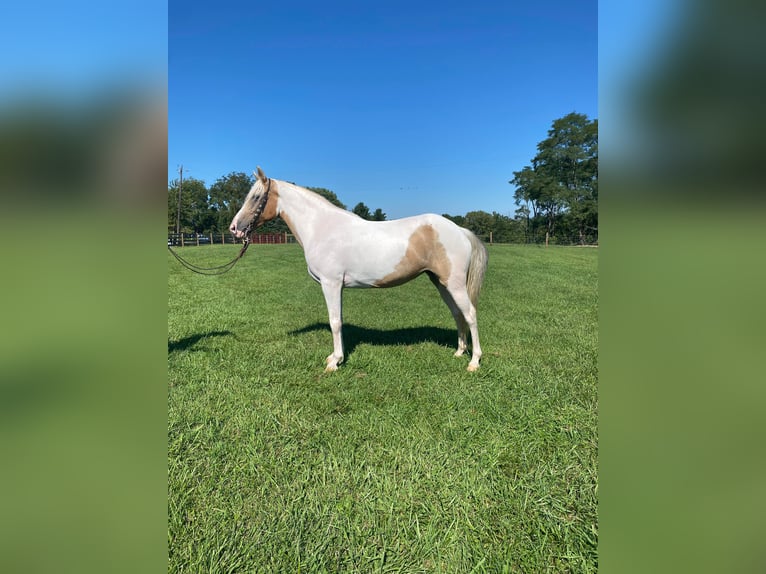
220	269
258	211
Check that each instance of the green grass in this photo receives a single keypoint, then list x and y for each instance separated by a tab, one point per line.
401	461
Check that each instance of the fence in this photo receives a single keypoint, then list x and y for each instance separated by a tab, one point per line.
542	238
185	239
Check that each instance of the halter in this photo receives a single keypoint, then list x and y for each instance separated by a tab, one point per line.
258	211
220	269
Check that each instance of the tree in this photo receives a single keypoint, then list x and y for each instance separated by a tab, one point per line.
505	229
226	197
196	216
522	216
378	215
456	219
480	223
362	211
563	177
493	225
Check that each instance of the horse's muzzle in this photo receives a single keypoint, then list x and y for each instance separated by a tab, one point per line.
240	233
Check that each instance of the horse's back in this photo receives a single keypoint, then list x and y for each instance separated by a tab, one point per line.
423	243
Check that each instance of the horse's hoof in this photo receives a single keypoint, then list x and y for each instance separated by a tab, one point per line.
472	368
331	368
459	353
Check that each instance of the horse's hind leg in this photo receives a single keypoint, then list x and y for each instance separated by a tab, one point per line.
457	314
459	294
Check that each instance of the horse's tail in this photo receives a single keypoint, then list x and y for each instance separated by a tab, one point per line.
476	266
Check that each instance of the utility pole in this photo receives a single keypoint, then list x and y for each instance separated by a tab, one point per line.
178	213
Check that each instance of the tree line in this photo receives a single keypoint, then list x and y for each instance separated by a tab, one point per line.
556	197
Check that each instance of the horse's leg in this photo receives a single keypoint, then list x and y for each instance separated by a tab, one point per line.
459	294
333	297
457	314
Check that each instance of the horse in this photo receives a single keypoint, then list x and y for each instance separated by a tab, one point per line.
344	250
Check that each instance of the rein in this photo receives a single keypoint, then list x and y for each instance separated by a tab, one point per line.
221	269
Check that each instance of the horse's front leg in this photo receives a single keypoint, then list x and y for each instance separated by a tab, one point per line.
333	297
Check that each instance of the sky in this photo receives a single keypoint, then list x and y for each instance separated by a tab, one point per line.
74	49
410	107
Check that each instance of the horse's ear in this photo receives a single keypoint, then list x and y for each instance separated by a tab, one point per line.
260	175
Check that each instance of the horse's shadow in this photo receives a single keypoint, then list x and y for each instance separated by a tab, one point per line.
186	343
354	335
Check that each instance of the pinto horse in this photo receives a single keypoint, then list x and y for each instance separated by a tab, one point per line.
344	250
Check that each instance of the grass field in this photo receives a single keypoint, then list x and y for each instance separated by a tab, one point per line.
401	461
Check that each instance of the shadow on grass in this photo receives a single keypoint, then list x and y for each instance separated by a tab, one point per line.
353	335
187	342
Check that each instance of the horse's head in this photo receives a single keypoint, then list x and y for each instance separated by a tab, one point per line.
254	210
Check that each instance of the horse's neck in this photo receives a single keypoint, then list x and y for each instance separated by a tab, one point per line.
306	213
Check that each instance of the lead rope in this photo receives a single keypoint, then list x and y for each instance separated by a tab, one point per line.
221	269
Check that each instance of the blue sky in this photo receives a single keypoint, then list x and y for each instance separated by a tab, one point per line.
407	106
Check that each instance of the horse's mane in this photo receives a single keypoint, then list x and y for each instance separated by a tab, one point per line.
312	195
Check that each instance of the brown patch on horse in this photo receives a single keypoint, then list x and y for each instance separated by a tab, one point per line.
424	253
270	209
